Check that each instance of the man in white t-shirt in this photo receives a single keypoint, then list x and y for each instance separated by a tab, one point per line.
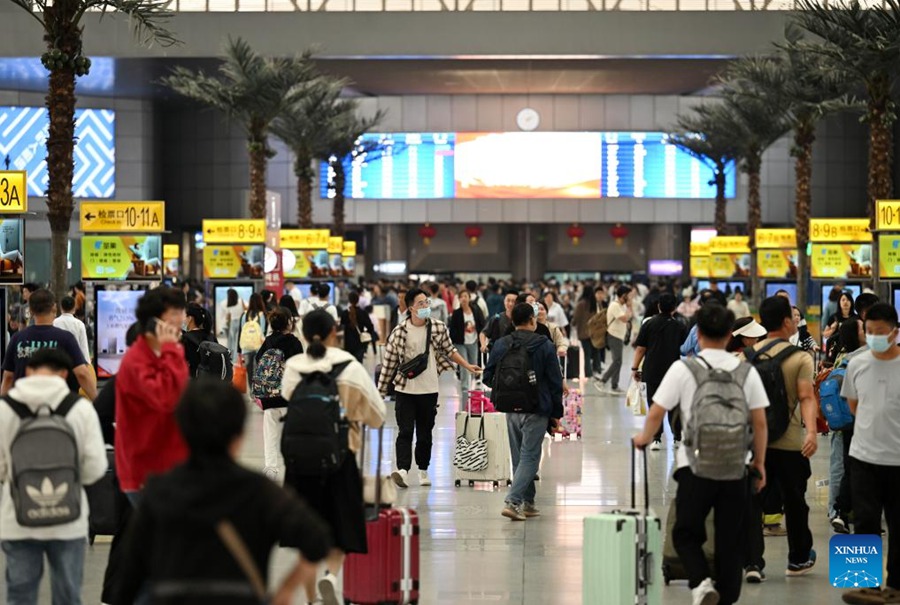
872	390
321	301
618	316
697	495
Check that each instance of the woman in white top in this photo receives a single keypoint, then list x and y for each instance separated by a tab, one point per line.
233	308
738	305
338	496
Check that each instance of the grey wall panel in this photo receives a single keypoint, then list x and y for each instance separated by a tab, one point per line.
439	113
591	112
415	114
464	113
618	113
565	113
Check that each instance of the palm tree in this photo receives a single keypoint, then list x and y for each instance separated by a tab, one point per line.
808	91
65	60
861	46
707	134
252	90
302	127
342	141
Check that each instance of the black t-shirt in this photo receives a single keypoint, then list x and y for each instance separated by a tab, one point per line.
662	336
498	327
25	342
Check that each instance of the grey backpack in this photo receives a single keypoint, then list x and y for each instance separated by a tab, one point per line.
45	480
718	434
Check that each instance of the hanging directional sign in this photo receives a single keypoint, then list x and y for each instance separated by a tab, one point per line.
13	192
234	231
123	217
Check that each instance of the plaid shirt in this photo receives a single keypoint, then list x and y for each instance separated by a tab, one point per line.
396	353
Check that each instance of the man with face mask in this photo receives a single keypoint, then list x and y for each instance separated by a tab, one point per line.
787	456
417	385
871	386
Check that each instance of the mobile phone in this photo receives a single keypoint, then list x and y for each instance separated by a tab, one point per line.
151	325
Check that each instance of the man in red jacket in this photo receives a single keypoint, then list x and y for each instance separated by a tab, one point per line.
150	381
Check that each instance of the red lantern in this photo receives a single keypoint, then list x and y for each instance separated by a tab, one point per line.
575	232
619	233
427	232
473	233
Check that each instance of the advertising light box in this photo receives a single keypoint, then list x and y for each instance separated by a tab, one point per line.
776	264
233	262
521	165
729	265
115	313
23	139
121	257
699	266
12	251
889	256
303	264
841	261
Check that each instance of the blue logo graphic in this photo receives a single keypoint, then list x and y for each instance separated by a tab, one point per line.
23	138
855	561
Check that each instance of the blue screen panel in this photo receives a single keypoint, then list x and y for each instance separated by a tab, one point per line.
23	139
645	165
397	166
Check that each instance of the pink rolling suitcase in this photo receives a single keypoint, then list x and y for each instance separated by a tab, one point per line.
573	402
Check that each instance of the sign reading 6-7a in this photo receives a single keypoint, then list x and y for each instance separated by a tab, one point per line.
13	192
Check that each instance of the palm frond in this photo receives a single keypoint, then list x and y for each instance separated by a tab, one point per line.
148	18
28	6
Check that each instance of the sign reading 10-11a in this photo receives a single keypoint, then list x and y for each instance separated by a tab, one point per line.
13	192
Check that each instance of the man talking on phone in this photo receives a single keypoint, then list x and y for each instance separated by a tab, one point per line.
149	383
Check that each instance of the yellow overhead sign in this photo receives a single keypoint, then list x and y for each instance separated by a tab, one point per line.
729	244
887	215
13	192
335	244
234	231
349	249
123	217
171	251
776	239
839	230
305	239
699	248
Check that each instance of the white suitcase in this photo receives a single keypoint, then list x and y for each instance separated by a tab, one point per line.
499	468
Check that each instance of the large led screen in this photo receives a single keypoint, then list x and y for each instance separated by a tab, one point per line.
397	166
516	165
23	138
115	313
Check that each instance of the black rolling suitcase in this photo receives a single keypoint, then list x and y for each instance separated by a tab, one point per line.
105	500
573	363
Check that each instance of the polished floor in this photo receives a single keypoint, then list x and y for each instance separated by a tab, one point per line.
470	554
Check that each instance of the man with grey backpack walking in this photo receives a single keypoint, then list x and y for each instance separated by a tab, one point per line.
721	400
51	446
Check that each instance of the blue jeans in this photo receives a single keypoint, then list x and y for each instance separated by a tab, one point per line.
526	434
836	471
25	567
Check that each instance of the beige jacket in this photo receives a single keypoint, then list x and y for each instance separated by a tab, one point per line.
360	399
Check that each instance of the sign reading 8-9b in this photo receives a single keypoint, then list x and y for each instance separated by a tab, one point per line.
13	192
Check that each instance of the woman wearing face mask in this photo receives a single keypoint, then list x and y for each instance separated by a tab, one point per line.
466	324
844	312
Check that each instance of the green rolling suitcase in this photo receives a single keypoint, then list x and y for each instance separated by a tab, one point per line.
622	563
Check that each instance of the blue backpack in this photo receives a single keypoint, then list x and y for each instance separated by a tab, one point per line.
834	407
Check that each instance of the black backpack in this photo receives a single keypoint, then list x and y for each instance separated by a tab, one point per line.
778	414
314	441
515	387
215	361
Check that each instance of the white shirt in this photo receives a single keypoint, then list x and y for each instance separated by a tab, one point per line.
315	303
471	335
556	314
614	326
678	388
875	384
426	382
75	327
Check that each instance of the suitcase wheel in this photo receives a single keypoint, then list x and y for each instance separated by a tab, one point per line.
457	483
471	483
666	577
496	484
508	482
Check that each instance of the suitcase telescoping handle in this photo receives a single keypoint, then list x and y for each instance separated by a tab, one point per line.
634	480
362	465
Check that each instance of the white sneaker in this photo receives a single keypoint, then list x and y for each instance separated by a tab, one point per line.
424	481
328	588
399	477
654	447
705	593
271	473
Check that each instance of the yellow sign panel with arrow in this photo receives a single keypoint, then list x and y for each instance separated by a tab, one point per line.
123	217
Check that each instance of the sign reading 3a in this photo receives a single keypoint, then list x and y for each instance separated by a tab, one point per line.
13	192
